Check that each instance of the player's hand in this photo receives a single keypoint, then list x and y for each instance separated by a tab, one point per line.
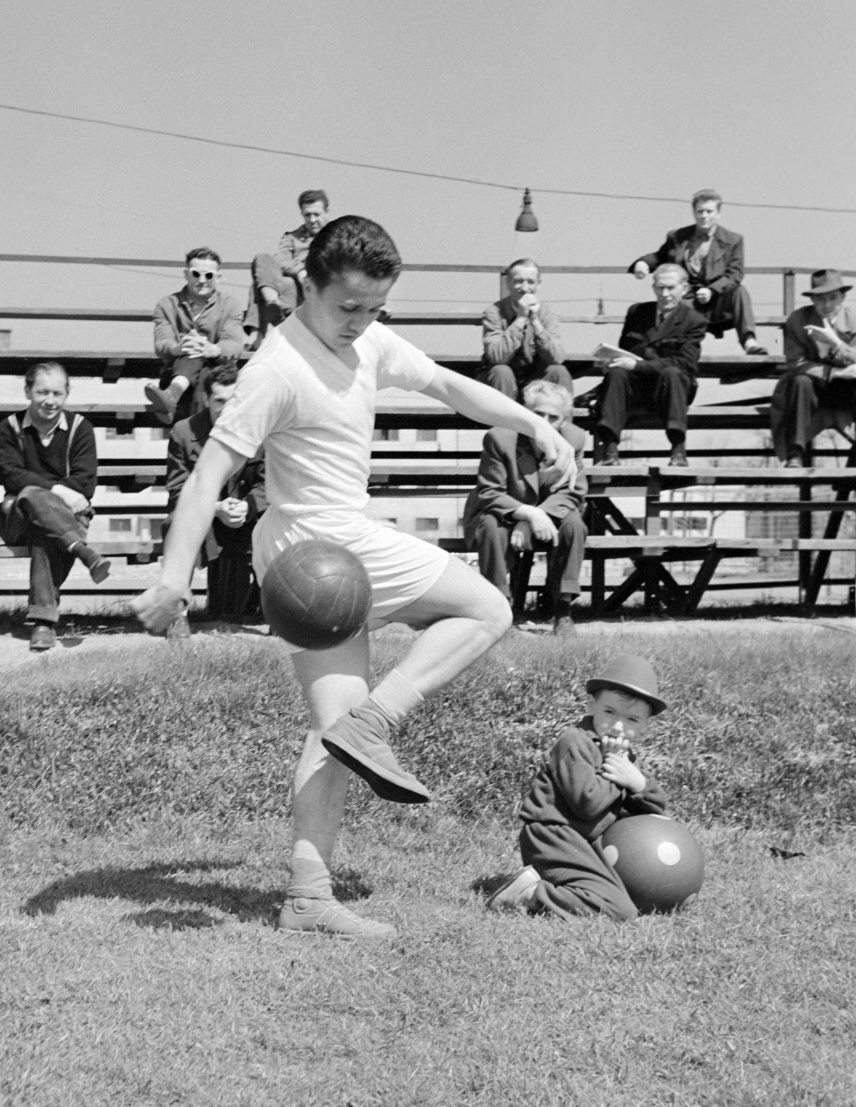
622	363
521	536
703	295
160	606
557	456
619	770
641	270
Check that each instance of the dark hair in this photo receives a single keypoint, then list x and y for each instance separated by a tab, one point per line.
202	252
351	244
47	367
704	196
312	196
524	261
225	375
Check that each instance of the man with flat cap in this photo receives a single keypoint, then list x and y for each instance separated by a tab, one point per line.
818	387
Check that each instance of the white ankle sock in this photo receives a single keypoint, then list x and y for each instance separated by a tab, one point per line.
395	697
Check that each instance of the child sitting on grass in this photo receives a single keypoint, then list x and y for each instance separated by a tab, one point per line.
589	779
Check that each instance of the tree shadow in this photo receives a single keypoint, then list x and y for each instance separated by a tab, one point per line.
155	885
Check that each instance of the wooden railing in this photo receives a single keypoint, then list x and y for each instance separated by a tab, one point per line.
786	275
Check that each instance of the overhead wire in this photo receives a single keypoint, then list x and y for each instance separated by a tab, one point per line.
326	159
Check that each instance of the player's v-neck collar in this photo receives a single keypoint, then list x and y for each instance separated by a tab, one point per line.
305	336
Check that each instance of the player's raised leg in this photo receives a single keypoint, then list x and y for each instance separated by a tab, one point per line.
463	616
333	681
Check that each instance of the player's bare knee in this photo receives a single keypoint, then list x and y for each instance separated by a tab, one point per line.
496	615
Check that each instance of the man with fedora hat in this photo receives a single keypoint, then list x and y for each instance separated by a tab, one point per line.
818	387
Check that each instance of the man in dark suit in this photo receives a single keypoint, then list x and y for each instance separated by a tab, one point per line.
226	549
713	259
663	342
512	510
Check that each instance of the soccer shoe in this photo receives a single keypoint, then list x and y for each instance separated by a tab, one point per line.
42	637
611	455
515	893
162	402
755	349
678	457
354	740
300	914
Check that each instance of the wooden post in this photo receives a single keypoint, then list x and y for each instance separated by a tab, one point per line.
788	300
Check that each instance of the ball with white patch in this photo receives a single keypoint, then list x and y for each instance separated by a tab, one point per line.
658	860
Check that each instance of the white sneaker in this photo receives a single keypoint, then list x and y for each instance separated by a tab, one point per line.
328	916
515	894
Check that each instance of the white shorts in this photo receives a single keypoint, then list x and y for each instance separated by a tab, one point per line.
401	568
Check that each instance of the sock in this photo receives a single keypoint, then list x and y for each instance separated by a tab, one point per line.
394	697
310	879
676	437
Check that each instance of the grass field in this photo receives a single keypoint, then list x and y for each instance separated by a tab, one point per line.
143	854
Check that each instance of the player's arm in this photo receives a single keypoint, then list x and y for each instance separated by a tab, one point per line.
487	405
194	513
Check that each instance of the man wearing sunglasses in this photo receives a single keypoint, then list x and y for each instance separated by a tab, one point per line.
196	329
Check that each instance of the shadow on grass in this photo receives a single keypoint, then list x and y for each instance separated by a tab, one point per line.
487	885
161	884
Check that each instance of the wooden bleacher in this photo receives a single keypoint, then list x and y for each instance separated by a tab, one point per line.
106	386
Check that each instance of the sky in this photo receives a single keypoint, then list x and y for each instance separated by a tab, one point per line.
625	98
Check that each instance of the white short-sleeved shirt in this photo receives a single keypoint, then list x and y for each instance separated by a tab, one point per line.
315	417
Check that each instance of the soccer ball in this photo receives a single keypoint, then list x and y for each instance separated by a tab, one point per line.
316	595
659	861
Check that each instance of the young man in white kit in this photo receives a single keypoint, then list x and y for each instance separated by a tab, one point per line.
308	395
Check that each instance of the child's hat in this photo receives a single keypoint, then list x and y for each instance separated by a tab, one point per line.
633	675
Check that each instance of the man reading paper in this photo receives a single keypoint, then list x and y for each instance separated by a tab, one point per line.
656	365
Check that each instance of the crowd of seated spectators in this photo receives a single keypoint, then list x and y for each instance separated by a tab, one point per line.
201	333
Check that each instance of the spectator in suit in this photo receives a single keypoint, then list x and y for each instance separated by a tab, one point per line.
226	549
663	342
197	329
713	259
512	508
278	278
818	387
48	469
520	336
